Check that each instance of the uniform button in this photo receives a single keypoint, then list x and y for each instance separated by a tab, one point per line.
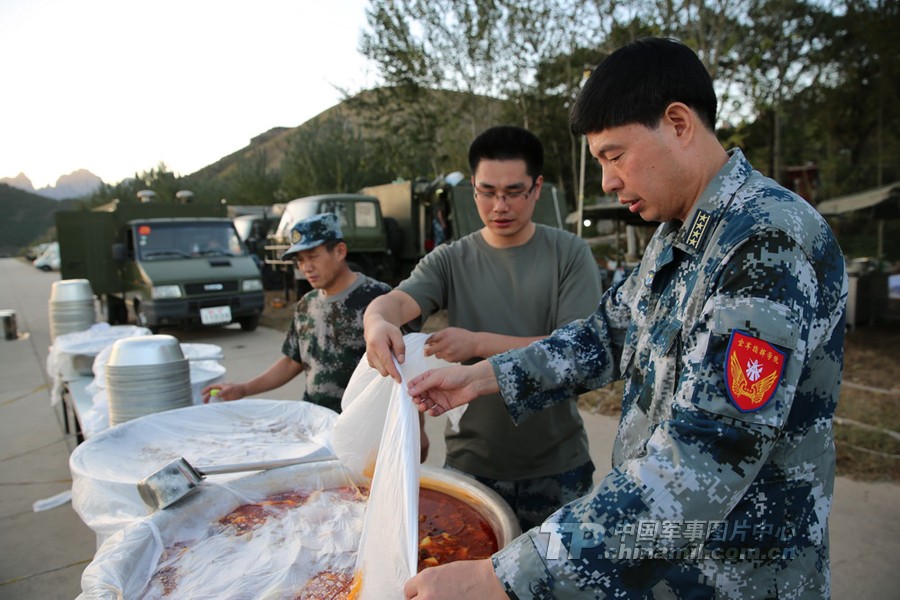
538	587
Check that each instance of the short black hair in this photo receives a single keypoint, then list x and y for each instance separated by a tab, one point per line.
636	83
506	142
330	245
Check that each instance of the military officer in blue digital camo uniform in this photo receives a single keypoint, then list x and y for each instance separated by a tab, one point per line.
729	337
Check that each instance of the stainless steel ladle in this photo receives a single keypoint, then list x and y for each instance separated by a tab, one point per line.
177	479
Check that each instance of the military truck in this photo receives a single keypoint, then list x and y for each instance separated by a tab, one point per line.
162	263
389	227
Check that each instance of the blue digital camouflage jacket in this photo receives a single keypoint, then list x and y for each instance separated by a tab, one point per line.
729	338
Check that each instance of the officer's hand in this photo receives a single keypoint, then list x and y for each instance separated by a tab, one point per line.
453	344
382	340
437	391
462	579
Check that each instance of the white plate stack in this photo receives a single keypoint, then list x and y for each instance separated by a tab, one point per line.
144	375
71	307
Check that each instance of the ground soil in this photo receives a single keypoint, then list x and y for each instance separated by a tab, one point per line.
868	414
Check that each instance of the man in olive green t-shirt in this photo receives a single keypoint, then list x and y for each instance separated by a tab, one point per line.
504	286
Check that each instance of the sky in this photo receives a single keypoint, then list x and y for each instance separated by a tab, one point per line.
117	86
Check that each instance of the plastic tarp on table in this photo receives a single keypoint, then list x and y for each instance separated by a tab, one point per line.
107	467
187	547
69	347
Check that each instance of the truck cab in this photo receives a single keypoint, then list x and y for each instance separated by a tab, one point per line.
163	264
184	271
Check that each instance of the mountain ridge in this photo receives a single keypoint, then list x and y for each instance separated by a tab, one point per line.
77	184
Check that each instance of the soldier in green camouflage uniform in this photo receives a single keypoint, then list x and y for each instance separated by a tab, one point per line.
729	337
325	338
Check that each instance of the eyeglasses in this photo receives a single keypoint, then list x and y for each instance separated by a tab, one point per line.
509	197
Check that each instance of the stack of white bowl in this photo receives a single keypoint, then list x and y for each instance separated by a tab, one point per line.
71	307
144	375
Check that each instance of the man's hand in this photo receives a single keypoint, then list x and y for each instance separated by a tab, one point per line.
461	579
453	344
384	339
439	390
227	391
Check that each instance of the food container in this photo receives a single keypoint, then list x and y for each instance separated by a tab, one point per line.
71	290
480	497
145	350
107	467
70	307
195	550
146	375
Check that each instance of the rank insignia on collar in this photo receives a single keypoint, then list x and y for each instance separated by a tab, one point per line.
701	220
753	370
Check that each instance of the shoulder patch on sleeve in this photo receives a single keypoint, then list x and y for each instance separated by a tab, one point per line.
753	370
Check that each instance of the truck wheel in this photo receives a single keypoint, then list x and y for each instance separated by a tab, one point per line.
249	323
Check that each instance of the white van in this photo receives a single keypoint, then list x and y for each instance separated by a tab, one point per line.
49	259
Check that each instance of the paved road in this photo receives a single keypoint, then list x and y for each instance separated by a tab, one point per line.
43	554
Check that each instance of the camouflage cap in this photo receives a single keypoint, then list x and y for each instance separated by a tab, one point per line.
313	232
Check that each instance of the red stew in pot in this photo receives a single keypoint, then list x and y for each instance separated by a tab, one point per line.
451	530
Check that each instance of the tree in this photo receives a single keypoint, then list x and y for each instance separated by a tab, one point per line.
485	51
330	156
252	182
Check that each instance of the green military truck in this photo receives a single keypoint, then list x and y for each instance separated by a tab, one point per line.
389	227
364	227
162	263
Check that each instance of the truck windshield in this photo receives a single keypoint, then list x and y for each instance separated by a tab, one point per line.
293	212
165	241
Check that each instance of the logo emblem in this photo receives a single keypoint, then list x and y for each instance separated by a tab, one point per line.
753	369
296	236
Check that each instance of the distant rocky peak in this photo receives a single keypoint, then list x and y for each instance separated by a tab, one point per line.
76	184
20	181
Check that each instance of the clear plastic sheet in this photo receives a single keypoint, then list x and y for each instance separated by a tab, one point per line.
187	547
87	343
107	467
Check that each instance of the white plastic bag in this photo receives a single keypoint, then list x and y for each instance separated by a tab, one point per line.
377	435
388	547
364	406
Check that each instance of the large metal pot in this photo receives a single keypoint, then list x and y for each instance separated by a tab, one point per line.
138	548
483	499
